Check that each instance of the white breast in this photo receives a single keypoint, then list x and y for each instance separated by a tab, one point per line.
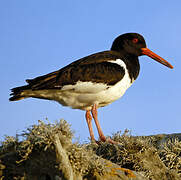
116	91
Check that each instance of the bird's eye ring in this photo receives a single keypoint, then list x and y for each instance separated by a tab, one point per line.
135	40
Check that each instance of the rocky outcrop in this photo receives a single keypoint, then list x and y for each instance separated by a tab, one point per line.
46	152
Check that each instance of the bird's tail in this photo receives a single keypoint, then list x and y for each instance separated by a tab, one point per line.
35	87
19	93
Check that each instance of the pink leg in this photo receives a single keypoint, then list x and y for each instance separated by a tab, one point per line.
89	123
94	115
101	135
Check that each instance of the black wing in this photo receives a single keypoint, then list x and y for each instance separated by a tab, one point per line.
94	68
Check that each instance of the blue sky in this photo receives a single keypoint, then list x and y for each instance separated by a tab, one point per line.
38	37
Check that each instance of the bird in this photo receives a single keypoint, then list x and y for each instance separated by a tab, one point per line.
93	81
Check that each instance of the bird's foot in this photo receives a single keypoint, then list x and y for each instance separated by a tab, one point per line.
108	140
111	141
104	139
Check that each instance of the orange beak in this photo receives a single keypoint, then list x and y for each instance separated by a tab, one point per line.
154	56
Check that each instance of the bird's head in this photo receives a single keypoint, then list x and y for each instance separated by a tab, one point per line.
134	44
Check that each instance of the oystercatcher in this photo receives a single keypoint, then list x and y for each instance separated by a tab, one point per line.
93	81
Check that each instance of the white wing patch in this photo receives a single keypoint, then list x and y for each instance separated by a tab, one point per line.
85	87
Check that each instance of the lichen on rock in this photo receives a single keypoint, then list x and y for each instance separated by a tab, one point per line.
46	151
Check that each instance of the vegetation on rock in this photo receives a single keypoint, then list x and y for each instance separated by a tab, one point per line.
46	151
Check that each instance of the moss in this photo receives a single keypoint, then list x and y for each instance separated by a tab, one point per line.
171	155
144	154
38	142
36	155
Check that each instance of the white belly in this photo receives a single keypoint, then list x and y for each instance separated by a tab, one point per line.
85	101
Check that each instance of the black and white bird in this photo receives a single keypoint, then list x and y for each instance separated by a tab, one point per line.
93	81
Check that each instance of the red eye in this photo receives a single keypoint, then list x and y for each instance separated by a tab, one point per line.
135	40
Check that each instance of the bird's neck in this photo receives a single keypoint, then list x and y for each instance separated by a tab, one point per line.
132	64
